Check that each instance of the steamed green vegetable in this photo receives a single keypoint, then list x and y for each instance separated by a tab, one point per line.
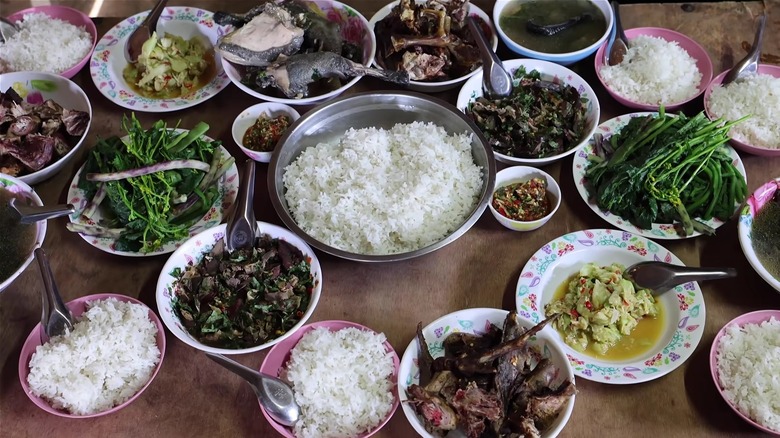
151	187
667	169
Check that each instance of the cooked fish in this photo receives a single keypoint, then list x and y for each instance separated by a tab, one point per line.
263	39
237	20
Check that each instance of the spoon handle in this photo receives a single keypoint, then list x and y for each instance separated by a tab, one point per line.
495	79
700	274
55	316
154	15
242	371
34	213
241	227
755	51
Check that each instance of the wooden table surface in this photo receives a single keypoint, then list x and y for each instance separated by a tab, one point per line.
191	396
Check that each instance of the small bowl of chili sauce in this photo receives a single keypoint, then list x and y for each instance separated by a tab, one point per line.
258	128
525	198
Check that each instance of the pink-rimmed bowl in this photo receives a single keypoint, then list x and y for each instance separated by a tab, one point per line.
276	360
755	202
694	49
77	307
70	15
764	69
756	317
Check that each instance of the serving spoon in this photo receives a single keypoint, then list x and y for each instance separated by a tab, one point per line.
29	214
659	277
7	29
496	81
241	227
56	318
749	64
274	394
134	43
616	50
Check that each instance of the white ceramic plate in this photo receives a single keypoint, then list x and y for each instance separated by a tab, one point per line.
478	321
228	190
557	261
108	60
658	231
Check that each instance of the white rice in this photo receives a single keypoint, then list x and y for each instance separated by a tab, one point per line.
748	360
757	96
342	382
654	71
107	358
44	44
377	191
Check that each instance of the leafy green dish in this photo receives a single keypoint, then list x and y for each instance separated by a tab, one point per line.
147	189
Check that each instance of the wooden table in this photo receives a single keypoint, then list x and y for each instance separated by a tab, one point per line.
191	396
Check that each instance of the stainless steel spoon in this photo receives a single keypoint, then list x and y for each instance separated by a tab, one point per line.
241	228
143	32
660	277
616	50
56	318
749	64
275	395
29	214
7	29
496	81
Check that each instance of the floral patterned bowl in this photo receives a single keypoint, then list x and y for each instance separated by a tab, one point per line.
36	88
354	29
755	203
192	251
478	321
550	71
19	188
683	307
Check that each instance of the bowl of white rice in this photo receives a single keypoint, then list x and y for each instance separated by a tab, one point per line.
343	375
662	67
53	39
110	357
381	176
744	359
756	95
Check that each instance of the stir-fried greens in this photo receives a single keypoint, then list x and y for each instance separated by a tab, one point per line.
665	169
245	298
152	186
539	119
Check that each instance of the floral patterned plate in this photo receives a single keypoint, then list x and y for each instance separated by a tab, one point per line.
108	60
754	204
658	231
228	190
556	261
478	321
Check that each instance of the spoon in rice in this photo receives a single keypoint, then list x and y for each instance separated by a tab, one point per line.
7	29
274	394
56	318
748	65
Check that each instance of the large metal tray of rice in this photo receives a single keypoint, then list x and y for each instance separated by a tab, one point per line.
381	176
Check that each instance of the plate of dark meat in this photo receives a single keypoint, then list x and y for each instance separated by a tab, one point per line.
44	119
486	373
429	39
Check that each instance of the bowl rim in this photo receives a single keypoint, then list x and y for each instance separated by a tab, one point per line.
385	10
745	242
230	69
181	252
332	325
40	234
748	318
575	56
89	27
468	222
475	82
598	64
411	351
34	337
261	108
512	178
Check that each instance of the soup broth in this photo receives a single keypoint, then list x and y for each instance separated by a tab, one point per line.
16	239
515	16
766	236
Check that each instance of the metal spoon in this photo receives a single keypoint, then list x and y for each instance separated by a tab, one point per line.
7	29
242	227
56	318
275	395
29	214
660	277
143	32
749	64
496	81
616	49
